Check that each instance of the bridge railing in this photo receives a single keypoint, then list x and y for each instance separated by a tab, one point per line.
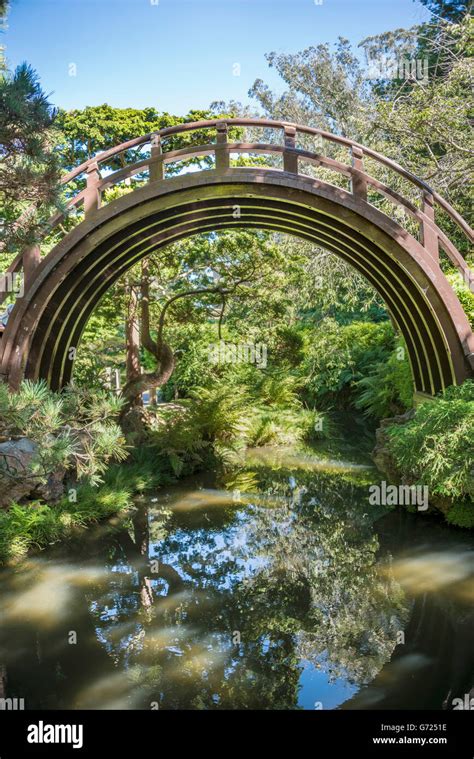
152	168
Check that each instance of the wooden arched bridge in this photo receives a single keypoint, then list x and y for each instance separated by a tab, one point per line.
398	253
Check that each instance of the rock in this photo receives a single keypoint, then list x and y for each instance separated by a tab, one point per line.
15	477
16	480
381	455
53	489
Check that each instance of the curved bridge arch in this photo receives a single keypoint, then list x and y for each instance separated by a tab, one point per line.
63	289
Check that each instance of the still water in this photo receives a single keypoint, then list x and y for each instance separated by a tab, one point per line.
279	589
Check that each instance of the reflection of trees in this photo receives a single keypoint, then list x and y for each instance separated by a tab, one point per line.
188	632
327	545
435	663
292	572
295	577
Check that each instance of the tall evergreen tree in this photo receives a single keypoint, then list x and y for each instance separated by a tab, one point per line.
29	169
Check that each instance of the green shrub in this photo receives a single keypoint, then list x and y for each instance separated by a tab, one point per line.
466	297
280	426
200	431
461	514
193	369
339	356
221	413
75	430
388	389
436	448
276	389
36	525
263	430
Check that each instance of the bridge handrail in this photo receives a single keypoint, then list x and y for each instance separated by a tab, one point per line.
191	126
433	236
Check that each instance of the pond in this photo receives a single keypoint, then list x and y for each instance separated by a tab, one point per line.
281	588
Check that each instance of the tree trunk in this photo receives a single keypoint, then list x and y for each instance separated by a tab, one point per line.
132	332
138	382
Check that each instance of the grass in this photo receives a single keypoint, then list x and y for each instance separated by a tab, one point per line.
35	525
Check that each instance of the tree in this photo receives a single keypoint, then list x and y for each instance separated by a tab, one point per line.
326	89
88	131
423	123
196	279
451	10
3	10
29	169
426	123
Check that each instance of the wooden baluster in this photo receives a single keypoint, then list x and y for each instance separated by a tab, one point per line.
157	166
430	236
222	153
31	259
92	195
359	185
290	159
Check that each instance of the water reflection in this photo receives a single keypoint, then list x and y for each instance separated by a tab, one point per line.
290	595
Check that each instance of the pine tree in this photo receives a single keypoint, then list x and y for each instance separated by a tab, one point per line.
29	169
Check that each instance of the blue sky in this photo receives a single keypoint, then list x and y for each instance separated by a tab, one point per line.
178	54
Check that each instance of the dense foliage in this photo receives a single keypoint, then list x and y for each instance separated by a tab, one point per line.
76	430
29	166
436	448
322	340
